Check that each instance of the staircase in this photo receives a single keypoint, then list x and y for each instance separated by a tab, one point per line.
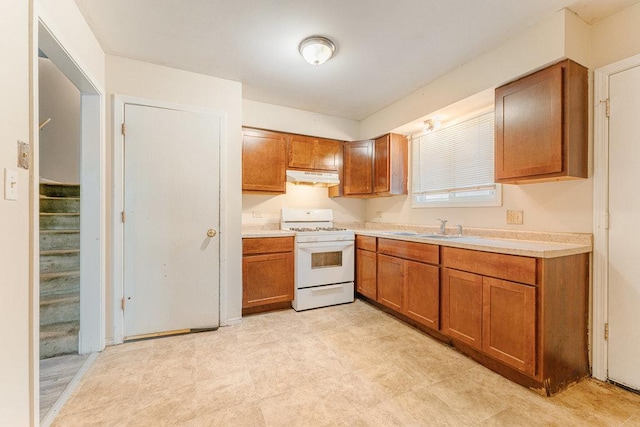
59	269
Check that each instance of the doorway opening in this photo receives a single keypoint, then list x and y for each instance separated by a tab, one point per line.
68	168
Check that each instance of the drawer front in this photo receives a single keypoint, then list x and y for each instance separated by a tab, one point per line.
367	243
508	267
421	252
266	245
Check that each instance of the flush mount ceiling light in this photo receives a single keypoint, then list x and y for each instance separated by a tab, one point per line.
431	125
317	49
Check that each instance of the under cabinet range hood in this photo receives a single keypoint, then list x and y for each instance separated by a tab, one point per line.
320	179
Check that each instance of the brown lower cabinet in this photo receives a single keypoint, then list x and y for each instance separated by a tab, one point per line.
366	269
267	273
523	317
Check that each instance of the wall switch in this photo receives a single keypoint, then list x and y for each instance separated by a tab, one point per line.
515	217
256	214
10	184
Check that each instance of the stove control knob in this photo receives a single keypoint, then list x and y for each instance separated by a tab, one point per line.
211	232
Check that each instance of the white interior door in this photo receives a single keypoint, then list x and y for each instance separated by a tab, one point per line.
171	200
624	229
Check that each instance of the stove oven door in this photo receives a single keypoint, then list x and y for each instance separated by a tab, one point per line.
324	263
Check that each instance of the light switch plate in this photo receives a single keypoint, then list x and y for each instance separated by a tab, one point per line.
10	184
515	217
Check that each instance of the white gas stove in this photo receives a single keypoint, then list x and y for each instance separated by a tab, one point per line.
325	258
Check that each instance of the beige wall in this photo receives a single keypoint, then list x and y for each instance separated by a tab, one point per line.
617	37
14	227
154	82
562	207
59	100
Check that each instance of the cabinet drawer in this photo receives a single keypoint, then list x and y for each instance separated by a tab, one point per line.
421	252
508	267
367	243
265	245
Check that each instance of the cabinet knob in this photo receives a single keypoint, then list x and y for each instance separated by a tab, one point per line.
211	232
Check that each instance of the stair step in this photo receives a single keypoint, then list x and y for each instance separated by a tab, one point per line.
59	221
62	283
59	239
58	261
60	190
60	309
58	339
59	204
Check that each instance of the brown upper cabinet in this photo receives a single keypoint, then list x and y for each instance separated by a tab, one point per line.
306	152
541	126
376	167
264	156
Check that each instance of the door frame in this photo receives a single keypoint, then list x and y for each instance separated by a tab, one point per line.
118	104
48	36
600	285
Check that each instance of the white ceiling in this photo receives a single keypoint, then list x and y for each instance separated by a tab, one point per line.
385	49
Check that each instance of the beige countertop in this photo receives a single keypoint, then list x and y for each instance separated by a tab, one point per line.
537	249
252	233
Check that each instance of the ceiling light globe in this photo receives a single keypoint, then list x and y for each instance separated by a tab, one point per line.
317	50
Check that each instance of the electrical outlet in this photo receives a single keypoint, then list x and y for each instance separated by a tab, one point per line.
257	214
515	217
379	214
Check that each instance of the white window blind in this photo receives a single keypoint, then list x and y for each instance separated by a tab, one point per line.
455	165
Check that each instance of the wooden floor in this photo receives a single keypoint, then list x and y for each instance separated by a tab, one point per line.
55	374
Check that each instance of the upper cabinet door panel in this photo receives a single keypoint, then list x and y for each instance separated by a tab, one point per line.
529	134
313	153
263	161
327	154
300	152
381	168
358	168
541	126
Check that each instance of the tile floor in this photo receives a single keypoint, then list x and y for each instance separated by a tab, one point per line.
348	365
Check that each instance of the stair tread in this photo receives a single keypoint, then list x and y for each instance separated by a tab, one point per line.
61	329
42	196
59	213
61	231
60	299
59	274
60	252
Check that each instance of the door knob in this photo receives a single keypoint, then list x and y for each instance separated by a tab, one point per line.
211	232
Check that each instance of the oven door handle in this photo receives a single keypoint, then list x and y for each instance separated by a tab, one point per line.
315	247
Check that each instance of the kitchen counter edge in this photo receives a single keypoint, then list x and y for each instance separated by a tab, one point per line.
249	234
535	249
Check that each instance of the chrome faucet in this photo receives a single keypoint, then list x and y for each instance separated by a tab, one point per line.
459	227
443	226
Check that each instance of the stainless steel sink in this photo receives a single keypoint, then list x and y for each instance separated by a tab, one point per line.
401	233
439	236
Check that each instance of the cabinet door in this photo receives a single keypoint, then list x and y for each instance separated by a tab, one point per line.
267	279
327	155
422	293
263	161
381	167
358	168
391	282
509	323
366	273
462	306
300	152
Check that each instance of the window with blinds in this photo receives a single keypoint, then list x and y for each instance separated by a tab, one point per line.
453	166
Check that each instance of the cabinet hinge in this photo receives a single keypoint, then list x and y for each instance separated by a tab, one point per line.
124	129
606	331
607	107
122	216
122	303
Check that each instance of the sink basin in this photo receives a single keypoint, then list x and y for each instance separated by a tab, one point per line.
402	233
